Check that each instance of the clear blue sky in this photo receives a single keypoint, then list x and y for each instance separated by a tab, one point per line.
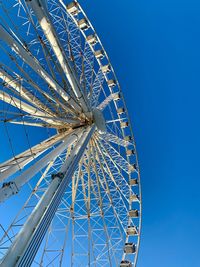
154	47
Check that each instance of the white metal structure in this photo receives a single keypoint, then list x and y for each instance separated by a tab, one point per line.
68	158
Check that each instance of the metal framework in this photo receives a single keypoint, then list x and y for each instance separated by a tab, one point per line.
68	163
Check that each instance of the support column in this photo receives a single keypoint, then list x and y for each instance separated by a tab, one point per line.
18	162
26	244
13	187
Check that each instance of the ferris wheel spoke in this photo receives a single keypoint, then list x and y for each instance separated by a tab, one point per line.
77	53
119	208
117	194
115	120
47	55
13	187
86	185
35	112
96	88
121	183
114	156
33	124
82	214
37	120
60	123
51	100
106	240
71	47
87	68
35	65
117	199
40	11
103	214
114	139
51	61
22	92
18	162
107	100
124	209
75	182
23	106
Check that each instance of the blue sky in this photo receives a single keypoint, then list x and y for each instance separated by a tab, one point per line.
154	47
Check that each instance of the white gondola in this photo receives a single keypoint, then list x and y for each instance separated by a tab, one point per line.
125	263
132	168
99	54
133	182
127	138
134	213
117	97
72	8
91	39
132	231
129	248
83	24
120	111
124	124
111	83
130	152
106	68
134	198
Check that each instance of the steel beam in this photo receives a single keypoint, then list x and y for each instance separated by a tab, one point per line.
40	10
17	163
27	242
106	101
61	122
21	105
27	57
26	232
13	187
24	93
114	139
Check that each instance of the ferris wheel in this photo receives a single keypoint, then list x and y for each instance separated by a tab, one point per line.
69	178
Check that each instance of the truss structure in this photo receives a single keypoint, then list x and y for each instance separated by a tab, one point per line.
69	178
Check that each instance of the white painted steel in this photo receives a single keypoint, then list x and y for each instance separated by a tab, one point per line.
35	65
39	9
12	165
19	181
115	139
106	101
23	239
105	173
79	146
21	105
23	92
18	246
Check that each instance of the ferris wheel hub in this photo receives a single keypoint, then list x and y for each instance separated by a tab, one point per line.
99	120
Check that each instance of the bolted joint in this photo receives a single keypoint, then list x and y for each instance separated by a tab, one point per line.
12	186
8	189
59	175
